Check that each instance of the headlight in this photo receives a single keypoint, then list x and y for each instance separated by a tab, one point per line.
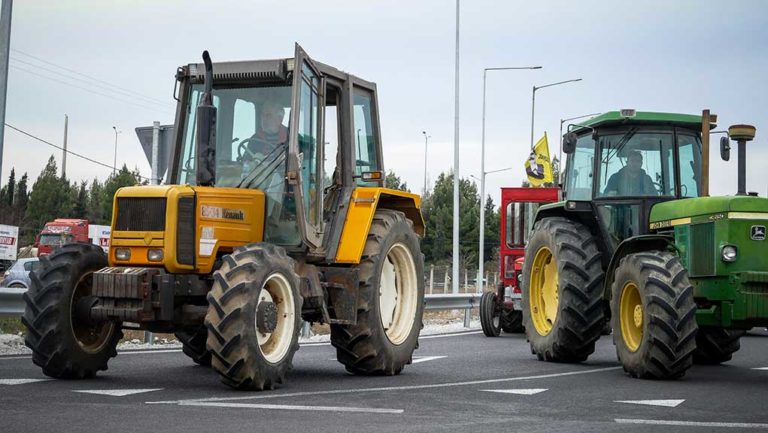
123	253
729	253
155	255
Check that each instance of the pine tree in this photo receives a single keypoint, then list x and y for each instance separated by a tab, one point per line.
95	196
51	197
81	204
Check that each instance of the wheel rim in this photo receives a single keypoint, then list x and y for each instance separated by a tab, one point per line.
544	297
631	316
274	345
398	293
91	338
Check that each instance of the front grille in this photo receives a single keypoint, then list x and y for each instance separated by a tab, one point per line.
702	254
140	214
185	231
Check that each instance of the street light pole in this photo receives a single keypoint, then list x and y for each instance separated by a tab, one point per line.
533	100
114	165
481	255
426	142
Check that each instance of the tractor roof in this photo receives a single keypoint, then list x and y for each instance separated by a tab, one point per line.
692	121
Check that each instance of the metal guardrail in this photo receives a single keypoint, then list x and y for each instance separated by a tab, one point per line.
12	303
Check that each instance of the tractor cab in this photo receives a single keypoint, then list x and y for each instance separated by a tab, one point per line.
625	162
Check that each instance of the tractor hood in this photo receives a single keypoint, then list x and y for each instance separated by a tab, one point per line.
702	206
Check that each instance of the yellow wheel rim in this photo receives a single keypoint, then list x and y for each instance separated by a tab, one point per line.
631	316
544	296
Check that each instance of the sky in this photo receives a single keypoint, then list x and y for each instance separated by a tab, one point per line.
671	56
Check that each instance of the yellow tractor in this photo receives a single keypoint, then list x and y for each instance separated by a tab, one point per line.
274	211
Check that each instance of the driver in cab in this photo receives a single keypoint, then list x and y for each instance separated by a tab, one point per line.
271	132
631	180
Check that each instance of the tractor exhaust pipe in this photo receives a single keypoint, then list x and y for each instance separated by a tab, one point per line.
205	138
742	134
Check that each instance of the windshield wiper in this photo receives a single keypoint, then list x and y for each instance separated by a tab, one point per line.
265	168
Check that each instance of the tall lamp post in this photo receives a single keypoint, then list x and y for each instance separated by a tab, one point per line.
533	99
114	164
560	151
426	142
482	177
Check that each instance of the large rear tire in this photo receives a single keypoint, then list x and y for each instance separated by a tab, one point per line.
716	345
390	301
562	288
193	344
490	316
654	323
63	345
254	317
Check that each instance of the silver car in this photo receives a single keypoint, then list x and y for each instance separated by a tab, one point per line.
18	274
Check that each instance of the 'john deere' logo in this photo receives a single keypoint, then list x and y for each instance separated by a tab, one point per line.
758	233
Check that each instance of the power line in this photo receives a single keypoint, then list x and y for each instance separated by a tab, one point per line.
89	77
90	83
68	151
157	109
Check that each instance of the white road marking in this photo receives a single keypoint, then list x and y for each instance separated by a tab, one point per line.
760	368
117	392
692	423
664	403
392	388
21	381
530	391
143	351
455	334
418	359
294	407
6	358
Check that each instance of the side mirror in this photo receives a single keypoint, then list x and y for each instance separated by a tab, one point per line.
725	148
569	142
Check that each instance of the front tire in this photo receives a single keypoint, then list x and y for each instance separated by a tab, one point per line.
512	321
254	317
562	291
654	324
490	316
716	345
63	345
390	301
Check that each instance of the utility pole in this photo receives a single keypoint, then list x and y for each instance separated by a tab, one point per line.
455	282
426	142
64	152
5	48
114	165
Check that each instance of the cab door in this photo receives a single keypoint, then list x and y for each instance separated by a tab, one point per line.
305	159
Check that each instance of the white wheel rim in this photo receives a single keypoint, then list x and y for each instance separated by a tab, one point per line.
398	293
275	345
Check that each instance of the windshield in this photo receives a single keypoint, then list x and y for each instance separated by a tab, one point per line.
55	239
251	135
636	163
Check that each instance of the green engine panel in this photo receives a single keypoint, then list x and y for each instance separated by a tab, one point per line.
729	294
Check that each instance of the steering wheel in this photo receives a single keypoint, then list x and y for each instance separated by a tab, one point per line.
243	151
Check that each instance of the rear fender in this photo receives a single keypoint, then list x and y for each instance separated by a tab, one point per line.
362	207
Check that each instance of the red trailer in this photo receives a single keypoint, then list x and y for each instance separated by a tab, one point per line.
501	310
59	232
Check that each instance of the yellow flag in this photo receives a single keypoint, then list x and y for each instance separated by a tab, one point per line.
538	167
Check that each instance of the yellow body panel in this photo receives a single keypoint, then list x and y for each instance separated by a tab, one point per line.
225	218
362	207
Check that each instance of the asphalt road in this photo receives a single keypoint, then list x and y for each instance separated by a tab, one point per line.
458	383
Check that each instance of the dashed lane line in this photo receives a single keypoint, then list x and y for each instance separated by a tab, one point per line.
293	407
530	391
391	388
117	392
692	423
662	403
21	381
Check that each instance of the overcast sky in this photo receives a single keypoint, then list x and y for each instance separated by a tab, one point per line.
673	56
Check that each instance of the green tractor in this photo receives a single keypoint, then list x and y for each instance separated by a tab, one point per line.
638	243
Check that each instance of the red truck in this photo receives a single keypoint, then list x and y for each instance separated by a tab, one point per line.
59	232
501	310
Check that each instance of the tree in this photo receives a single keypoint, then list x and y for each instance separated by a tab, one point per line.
10	189
81	204
393	181
437	208
95	212
492	232
51	197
